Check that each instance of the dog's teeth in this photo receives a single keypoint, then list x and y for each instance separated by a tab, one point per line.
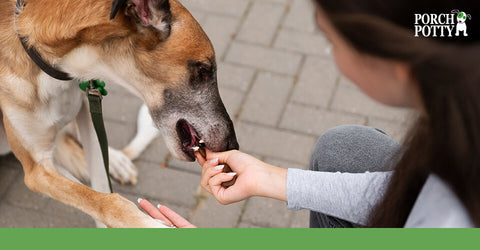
195	149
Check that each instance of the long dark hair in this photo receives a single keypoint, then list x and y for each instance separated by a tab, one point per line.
446	140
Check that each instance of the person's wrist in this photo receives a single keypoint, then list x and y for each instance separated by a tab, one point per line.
271	182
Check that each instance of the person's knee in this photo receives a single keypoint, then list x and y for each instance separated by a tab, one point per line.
332	141
347	148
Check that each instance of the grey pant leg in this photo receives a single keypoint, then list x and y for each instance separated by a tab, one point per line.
351	149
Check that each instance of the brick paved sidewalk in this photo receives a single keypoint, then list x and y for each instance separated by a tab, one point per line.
282	90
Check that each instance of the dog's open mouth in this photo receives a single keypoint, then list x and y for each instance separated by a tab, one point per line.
188	138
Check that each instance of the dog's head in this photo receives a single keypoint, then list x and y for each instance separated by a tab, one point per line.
461	17
175	73
155	48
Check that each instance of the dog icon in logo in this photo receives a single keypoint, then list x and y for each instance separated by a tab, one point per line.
461	19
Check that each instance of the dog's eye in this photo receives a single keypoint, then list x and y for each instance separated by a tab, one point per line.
204	72
201	72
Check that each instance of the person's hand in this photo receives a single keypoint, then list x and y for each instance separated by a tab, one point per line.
255	177
165	214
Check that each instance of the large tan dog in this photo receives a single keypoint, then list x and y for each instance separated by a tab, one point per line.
154	48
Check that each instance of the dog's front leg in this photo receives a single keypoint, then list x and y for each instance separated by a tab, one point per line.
41	176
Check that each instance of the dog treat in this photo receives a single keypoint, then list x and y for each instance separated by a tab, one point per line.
201	149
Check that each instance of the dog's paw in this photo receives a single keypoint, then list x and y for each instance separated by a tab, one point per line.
122	168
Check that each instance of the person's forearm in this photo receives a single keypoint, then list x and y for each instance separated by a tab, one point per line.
348	196
272	183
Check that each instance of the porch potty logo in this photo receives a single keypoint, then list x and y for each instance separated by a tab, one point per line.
442	25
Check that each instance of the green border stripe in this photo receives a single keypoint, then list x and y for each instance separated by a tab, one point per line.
244	239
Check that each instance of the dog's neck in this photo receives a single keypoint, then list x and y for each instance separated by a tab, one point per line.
54	35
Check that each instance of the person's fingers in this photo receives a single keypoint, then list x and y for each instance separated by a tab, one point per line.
215	184
208	173
177	220
200	159
153	211
210	163
218	179
222	156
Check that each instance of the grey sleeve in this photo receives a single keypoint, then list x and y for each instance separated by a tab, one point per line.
344	195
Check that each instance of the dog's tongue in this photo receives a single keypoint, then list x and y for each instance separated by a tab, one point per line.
194	141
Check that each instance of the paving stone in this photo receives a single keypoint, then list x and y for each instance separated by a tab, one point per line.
267	99
276	61
396	129
261	22
352	100
232	100
9	170
156	152
306	43
73	217
66	221
346	83
121	107
315	120
247	225
192	167
267	213
285	164
234	8
274	143
275	1
234	76
16	217
28	204
8	160
316	83
220	35
199	15
301	16
19	195
300	219
119	134
164	184
211	214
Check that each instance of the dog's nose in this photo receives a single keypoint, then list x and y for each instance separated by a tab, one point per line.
232	143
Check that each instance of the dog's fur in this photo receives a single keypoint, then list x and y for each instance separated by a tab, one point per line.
155	49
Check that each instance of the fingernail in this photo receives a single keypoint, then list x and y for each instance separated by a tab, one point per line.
232	174
139	200
214	161
220	167
159	205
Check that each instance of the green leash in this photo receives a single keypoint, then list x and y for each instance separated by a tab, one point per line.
95	89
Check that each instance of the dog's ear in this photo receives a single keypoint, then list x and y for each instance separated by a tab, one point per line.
116	6
151	13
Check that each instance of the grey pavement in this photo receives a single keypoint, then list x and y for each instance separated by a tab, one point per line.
280	86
